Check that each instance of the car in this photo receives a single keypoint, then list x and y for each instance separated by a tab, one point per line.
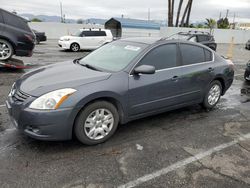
247	72
204	38
86	39
119	82
40	36
248	45
16	38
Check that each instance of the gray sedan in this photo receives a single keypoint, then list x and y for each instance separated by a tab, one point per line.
117	83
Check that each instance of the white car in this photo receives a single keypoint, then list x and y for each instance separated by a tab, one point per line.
86	39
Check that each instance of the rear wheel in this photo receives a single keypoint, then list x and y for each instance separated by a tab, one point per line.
96	123
213	95
6	50
75	47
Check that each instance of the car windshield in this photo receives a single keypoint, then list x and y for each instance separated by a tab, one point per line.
77	34
180	36
114	56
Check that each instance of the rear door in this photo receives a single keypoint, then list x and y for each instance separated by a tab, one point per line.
153	92
196	71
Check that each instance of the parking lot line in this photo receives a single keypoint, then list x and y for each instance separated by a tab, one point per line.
2	105
182	163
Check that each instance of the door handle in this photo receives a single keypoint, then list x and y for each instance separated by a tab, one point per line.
175	78
210	69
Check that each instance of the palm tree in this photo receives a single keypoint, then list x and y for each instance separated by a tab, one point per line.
178	13
189	11
170	12
184	14
210	23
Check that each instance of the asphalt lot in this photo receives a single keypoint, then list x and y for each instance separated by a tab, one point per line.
189	147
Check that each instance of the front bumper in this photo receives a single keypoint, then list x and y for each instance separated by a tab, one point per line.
51	125
64	44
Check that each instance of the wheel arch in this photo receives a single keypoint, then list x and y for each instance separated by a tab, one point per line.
223	83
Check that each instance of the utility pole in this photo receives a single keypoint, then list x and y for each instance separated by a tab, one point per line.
148	14
61	12
227	13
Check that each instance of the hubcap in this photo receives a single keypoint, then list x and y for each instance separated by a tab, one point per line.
5	51
99	124
214	94
75	47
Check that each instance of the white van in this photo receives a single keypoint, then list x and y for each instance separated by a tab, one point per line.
86	39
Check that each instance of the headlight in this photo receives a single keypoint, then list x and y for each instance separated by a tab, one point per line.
52	100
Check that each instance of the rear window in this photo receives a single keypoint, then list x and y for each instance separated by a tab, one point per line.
208	55
15	21
192	54
93	33
202	38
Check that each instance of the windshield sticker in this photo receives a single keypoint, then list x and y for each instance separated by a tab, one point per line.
133	48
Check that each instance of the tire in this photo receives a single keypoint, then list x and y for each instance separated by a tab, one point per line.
74	47
246	75
212	97
89	124
6	50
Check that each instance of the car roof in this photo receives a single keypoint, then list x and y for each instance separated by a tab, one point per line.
94	29
144	40
156	40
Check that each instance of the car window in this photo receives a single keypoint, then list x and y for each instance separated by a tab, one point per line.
1	18
208	55
192	54
15	21
114	56
93	33
193	39
202	38
161	57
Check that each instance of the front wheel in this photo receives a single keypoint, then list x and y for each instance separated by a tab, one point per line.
96	123
213	95
75	47
6	50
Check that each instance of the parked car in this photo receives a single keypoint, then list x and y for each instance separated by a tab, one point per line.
16	38
197	36
117	83
247	72
40	36
86	39
248	45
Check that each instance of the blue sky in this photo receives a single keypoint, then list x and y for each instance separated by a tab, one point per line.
130	8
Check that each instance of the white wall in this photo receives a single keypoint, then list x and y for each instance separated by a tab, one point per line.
220	35
56	30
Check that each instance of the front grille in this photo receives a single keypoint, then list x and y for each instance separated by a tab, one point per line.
19	96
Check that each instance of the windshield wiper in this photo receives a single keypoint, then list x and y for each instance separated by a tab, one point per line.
90	66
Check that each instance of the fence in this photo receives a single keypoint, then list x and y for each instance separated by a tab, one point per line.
56	30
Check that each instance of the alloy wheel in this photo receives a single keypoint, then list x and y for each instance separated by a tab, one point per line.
214	94
98	124
5	50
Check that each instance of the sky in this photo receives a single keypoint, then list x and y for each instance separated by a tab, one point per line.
84	9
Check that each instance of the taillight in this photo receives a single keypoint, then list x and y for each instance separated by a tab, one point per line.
29	37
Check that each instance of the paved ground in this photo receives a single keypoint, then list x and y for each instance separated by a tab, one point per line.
189	147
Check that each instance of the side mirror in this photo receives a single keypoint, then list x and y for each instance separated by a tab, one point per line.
144	69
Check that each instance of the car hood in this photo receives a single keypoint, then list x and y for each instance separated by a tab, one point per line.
58	76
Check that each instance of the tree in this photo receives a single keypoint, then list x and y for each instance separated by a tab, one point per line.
79	21
178	13
211	24
36	20
189	12
223	23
